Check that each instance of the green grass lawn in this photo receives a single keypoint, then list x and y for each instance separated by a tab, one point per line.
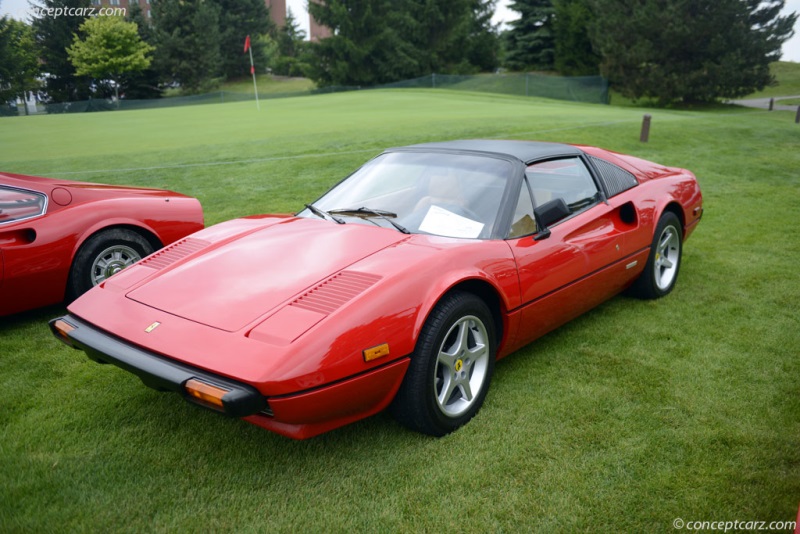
634	415
787	74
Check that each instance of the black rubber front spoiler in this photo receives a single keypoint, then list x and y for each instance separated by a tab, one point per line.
157	372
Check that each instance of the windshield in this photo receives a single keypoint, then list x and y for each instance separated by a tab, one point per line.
451	195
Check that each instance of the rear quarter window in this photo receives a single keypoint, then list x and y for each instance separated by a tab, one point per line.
19	204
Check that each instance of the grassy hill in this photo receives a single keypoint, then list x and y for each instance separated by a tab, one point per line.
787	76
628	418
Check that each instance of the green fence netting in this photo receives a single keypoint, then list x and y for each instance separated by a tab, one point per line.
592	89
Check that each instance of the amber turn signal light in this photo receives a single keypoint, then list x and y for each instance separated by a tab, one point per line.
62	330
376	352
206	394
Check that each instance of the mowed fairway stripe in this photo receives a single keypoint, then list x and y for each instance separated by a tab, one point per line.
324	154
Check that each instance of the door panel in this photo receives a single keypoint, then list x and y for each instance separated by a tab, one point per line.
35	260
586	260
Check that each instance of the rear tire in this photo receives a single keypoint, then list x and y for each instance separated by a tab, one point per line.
451	367
103	255
661	271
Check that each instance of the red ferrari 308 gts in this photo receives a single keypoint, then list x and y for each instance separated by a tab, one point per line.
398	288
59	238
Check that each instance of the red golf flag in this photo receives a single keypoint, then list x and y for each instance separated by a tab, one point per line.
252	68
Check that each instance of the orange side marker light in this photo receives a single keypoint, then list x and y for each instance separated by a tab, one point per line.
376	352
206	394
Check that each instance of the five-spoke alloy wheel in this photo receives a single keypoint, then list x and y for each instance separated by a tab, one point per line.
451	367
664	262
462	365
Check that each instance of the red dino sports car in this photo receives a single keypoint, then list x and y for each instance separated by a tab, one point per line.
59	238
398	288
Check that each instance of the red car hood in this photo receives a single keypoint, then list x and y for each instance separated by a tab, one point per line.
231	285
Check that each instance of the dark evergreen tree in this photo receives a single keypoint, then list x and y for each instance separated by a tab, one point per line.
53	36
443	27
574	55
369	44
689	50
483	41
291	37
187	42
455	36
145	84
381	41
530	43
237	20
292	49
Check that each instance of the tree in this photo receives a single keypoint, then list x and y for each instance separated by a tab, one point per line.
483	42
146	83
53	36
382	41
238	19
292	50
19	64
530	43
454	36
188	42
689	50
109	49
574	54
369	44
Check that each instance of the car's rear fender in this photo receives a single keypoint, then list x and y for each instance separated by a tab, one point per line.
681	196
155	221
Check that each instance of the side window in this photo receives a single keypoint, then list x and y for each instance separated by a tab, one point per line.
18	204
568	179
523	223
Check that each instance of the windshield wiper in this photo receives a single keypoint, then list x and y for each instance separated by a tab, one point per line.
322	214
366	213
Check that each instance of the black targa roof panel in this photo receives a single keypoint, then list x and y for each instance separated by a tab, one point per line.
525	151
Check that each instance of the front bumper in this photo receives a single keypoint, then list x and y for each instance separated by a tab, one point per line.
298	415
157	372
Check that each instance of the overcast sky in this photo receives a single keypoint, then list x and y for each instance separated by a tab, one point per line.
791	49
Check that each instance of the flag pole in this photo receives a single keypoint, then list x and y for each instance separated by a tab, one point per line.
249	48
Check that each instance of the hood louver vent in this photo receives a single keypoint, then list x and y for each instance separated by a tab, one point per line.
335	292
177	251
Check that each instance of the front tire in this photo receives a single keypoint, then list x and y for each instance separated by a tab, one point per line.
661	271
451	367
103	255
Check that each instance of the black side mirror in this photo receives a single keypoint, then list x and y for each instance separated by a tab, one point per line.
548	214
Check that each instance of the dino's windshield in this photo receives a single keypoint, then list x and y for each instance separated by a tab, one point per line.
446	194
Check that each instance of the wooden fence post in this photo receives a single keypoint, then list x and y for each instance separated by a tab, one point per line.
645	135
